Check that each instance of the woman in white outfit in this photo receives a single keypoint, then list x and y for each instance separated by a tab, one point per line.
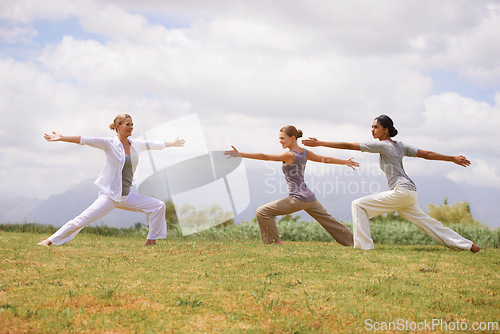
115	180
402	196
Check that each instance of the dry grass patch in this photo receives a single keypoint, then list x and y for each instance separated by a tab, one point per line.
114	285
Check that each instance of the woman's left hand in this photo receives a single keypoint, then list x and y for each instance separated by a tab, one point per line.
351	163
461	160
176	143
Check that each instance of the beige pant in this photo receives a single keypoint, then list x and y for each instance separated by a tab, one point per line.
404	202
287	205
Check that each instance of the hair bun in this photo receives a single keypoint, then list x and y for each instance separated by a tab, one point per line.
290	130
387	123
118	120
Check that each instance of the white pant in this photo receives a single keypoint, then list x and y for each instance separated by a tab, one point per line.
405	203
103	205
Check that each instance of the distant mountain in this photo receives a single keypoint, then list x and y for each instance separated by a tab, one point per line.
60	208
334	192
14	210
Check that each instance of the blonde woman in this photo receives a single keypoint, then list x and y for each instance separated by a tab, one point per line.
300	196
402	194
115	181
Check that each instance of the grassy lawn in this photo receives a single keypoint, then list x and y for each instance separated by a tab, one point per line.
99	284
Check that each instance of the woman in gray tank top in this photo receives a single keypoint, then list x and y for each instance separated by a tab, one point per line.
300	196
402	194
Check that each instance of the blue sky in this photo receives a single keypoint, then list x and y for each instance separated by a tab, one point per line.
445	81
51	32
247	69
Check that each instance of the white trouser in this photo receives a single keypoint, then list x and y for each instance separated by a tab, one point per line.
404	202
103	205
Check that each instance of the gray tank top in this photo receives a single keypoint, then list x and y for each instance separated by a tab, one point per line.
127	175
294	176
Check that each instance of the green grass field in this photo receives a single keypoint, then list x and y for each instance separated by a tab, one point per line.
112	284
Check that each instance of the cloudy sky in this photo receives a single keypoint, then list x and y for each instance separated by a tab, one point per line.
247	68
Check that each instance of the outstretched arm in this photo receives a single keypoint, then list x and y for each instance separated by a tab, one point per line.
286	157
311	141
457	159
330	160
59	137
176	143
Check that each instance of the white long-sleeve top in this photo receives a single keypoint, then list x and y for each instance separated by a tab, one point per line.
109	180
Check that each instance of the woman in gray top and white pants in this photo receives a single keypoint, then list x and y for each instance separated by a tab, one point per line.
300	196
402	196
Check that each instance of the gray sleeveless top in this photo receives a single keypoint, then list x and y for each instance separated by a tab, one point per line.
127	175
294	176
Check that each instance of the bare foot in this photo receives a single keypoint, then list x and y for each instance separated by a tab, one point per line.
475	248
46	242
150	242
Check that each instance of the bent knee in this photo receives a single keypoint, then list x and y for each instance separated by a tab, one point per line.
262	212
162	206
158	207
259	212
357	204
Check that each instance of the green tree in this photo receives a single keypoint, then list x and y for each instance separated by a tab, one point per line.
193	217
171	214
458	213
387	217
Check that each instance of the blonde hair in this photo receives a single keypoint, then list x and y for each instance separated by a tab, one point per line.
118	120
291	130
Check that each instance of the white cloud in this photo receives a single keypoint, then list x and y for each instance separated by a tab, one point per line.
353	27
17	33
33	103
480	174
461	124
452	125
117	24
247	68
474	53
215	63
28	11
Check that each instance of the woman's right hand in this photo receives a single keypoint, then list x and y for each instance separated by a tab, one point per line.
233	153
53	137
